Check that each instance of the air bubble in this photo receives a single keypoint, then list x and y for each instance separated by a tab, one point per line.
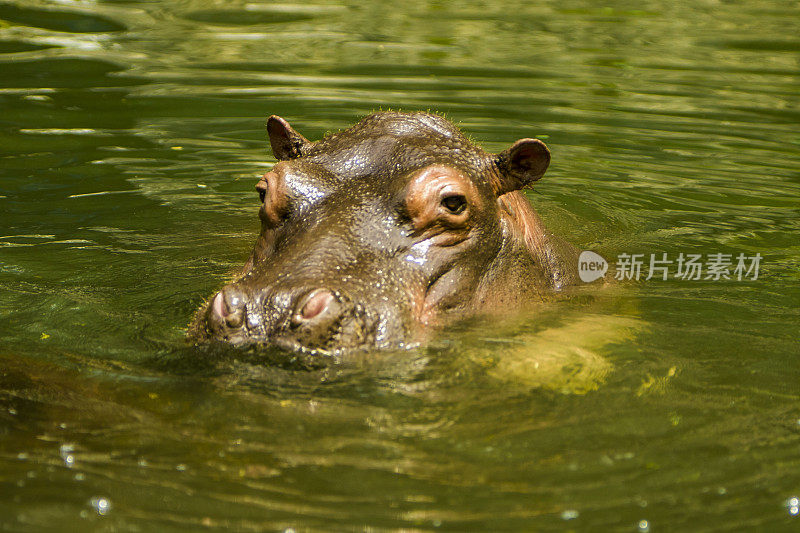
793	504
101	505
66	454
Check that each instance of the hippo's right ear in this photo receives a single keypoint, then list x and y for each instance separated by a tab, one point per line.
520	165
286	143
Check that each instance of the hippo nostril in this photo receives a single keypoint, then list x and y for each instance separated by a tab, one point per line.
312	305
235	320
229	305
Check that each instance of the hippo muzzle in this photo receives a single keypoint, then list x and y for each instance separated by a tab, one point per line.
316	319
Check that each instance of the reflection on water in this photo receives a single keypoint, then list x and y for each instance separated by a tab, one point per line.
132	134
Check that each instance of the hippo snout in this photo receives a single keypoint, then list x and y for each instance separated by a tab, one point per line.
299	318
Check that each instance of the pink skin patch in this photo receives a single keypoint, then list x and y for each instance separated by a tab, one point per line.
219	306
316	304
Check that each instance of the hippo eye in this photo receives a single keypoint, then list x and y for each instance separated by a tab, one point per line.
455	204
261	187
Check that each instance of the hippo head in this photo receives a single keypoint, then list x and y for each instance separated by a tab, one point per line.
374	236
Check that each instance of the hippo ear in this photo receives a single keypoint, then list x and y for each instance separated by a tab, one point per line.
286	143
521	165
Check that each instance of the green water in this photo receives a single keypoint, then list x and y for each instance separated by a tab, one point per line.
131	137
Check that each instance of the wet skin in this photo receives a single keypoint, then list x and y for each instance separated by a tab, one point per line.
376	236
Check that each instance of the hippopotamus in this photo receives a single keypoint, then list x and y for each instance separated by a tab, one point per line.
381	234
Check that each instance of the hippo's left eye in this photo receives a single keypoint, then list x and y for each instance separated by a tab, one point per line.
455	204
272	193
261	187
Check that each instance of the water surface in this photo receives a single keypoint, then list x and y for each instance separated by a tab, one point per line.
131	137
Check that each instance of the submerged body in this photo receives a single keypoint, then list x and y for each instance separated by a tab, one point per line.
375	236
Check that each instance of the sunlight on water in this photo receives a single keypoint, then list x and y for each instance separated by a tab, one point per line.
132	136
